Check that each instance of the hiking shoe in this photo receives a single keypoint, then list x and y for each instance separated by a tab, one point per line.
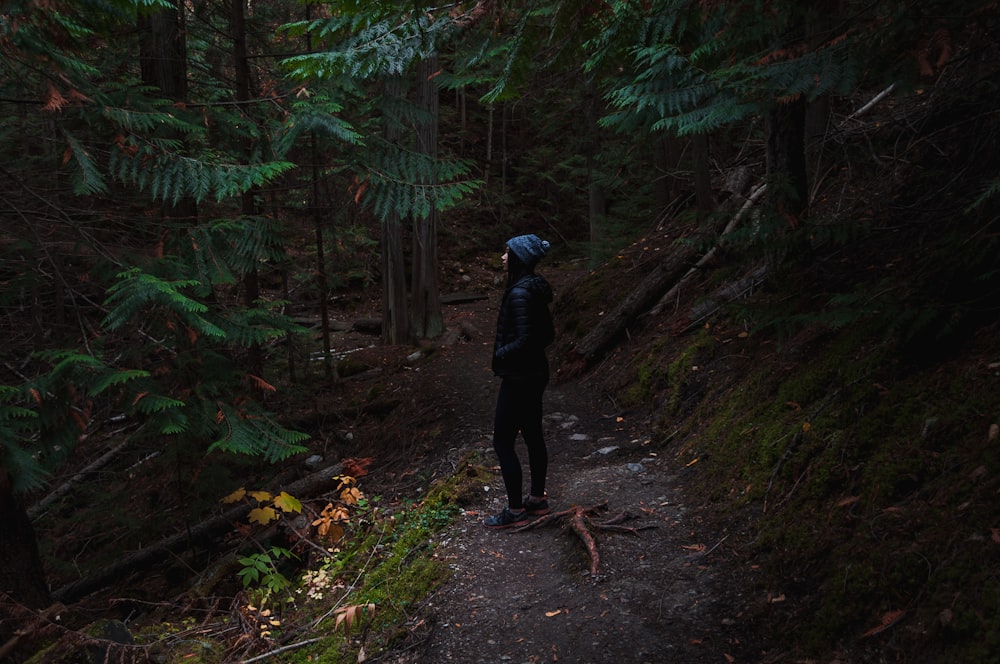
506	519
535	506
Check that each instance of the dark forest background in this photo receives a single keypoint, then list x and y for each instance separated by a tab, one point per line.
194	194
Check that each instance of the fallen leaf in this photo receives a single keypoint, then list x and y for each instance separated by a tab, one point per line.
262	515
776	599
694	547
888	620
549	614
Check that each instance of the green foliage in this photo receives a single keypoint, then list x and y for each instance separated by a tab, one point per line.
249	430
137	291
262	568
401	182
17	422
361	43
697	68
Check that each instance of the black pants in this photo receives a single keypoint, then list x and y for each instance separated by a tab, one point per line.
519	409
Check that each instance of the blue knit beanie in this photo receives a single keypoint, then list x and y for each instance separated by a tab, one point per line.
528	248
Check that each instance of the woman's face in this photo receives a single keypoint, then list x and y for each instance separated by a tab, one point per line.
503	258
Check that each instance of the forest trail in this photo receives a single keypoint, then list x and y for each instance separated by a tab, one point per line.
664	593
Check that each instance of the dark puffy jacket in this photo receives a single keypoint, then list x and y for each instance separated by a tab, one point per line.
524	329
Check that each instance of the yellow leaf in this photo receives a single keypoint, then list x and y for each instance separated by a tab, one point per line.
262	515
235	496
260	496
287	503
805	427
549	614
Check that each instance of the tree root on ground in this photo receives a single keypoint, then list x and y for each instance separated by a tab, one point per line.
580	523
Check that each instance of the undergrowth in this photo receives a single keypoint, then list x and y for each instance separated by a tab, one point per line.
366	567
870	484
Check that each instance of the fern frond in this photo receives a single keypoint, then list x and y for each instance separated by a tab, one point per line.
170	176
254	433
136	290
321	123
87	178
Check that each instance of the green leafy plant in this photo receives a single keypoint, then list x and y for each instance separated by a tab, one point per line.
262	569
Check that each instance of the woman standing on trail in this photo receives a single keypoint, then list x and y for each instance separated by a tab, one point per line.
524	329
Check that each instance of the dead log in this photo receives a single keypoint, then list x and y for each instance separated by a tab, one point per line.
463	297
661	285
309	486
674	292
613	324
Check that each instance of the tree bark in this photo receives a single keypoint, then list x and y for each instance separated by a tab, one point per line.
22	576
788	184
428	321
702	173
248	205
395	316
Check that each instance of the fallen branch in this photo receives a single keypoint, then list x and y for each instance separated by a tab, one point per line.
202	532
36	510
674	291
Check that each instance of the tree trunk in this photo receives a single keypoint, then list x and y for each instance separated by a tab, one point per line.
395	317
428	322
788	186
163	65
666	160
243	83
163	52
597	202
321	278
22	577
702	174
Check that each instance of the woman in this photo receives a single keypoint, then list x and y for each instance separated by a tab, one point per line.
524	329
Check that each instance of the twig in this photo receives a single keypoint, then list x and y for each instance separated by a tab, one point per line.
278	651
875	100
37	509
717	544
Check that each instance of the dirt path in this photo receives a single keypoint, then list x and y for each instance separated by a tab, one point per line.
661	595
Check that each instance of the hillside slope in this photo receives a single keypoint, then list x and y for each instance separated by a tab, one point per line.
841	412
